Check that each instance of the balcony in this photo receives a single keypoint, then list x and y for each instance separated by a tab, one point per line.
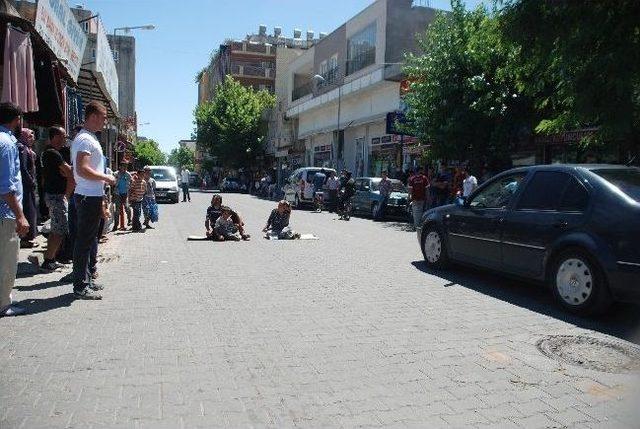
252	48
301	91
252	71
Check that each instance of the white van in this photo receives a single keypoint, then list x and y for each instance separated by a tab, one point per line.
292	191
167	186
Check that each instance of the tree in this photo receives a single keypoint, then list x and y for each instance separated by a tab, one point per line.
581	63
181	157
147	152
463	97
230	126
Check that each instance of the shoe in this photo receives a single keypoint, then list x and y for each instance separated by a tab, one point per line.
128	223
64	261
94	275
87	294
51	266
246	237
296	235
12	310
95	286
114	229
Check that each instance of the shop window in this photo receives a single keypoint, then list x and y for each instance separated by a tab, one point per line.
361	49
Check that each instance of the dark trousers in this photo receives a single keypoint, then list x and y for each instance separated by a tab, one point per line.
185	192
137	210
66	250
88	212
382	209
30	210
333	200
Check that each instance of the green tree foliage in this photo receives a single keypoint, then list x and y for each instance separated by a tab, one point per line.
147	152
181	157
464	98
230	126
581	63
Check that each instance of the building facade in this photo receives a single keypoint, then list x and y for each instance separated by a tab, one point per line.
342	116
124	56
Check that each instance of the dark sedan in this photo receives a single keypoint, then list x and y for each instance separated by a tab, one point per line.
367	199
574	227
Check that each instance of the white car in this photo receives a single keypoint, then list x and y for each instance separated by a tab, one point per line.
167	186
292	191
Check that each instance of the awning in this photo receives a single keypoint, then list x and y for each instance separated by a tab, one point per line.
90	89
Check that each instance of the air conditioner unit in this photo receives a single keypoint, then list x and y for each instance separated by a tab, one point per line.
310	34
262	30
277	31
297	33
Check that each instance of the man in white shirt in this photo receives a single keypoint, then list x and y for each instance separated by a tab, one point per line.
184	181
469	184
90	177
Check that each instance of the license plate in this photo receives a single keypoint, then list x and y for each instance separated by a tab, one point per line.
161	194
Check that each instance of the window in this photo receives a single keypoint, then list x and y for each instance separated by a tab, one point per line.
323	68
85	26
361	49
544	191
498	194
626	180
332	72
575	198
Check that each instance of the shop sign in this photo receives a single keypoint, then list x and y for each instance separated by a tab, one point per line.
60	30
325	148
105	64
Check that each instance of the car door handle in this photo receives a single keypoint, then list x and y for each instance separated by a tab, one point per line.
561	224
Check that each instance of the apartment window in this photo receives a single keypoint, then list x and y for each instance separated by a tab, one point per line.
323	68
361	49
332	73
85	26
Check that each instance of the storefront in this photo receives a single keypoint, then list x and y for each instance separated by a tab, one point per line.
322	156
384	156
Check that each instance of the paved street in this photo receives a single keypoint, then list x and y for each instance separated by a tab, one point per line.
349	330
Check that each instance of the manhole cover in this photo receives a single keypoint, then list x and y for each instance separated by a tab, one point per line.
591	353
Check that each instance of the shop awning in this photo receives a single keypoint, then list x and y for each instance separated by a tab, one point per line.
90	89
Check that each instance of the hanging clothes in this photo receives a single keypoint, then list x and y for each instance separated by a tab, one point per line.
49	87
19	84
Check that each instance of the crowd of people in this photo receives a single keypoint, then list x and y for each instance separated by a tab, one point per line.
76	187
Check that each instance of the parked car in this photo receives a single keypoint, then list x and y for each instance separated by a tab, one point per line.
167	186
231	184
574	227
194	180
292	191
367	198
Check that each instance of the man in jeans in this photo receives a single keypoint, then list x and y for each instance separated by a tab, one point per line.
123	182
385	190
58	187
88	172
13	223
136	195
184	181
418	186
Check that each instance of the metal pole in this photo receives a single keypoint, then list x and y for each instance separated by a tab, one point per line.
338	139
117	154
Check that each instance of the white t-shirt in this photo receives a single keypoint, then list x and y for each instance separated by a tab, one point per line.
87	142
185	176
469	185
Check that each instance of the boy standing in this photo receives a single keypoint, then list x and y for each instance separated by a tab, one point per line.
136	195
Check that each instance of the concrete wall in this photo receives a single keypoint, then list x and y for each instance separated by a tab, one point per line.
334	43
376	12
404	23
126	69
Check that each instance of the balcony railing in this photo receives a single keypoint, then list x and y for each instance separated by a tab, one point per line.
302	91
242	70
254	48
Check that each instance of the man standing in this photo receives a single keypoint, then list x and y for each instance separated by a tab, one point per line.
469	184
149	200
123	182
184	180
29	182
88	172
58	187
418	185
385	190
333	185
136	195
13	223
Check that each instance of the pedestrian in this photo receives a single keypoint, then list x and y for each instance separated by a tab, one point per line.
333	186
469	184
441	187
278	222
385	188
13	222
184	181
319	180
88	173
123	183
58	184
136	195
29	184
418	188
225	229
149	200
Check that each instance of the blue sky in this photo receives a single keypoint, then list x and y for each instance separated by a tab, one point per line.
186	33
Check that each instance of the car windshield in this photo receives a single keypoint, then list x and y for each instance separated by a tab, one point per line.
396	185
625	179
162	175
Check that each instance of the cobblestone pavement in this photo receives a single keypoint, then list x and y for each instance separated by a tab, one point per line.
350	330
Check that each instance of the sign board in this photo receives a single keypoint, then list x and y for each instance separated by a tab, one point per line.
60	30
105	64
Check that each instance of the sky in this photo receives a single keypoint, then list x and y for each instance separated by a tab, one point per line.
187	31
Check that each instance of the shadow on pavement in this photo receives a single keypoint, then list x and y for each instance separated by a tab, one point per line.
35	306
39	286
399	226
26	269
622	320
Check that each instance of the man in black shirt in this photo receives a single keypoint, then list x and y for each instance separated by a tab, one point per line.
58	185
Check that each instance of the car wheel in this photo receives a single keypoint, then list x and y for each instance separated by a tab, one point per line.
578	283
433	247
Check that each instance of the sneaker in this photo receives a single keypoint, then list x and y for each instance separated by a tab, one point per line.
246	237
51	266
96	286
64	261
12	310
87	294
